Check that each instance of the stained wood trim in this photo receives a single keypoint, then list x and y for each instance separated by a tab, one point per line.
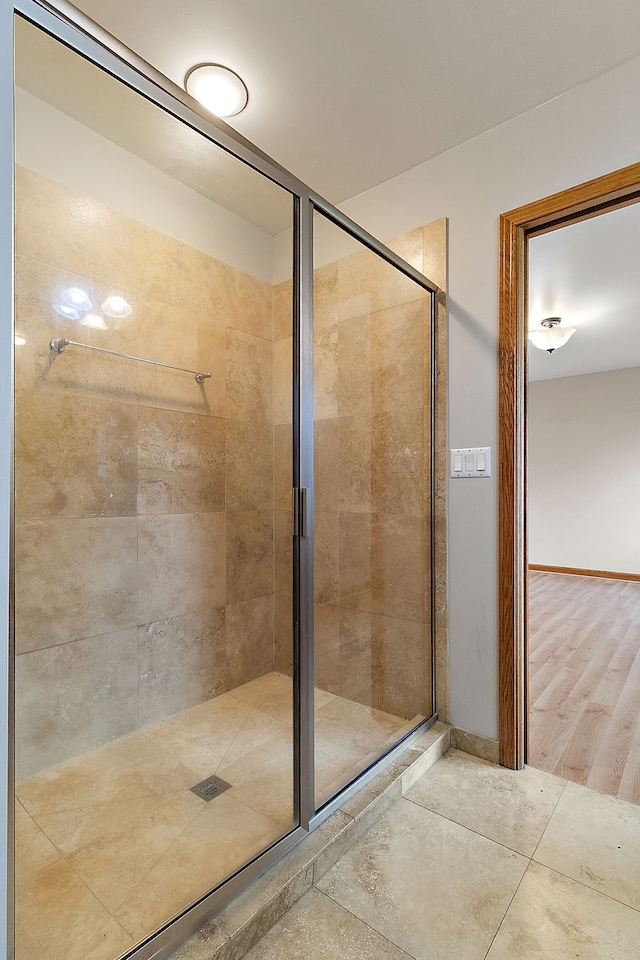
568	206
580	572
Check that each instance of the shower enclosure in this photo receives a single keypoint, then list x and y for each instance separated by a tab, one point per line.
223	511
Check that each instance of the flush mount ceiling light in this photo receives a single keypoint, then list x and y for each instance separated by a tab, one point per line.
217	88
552	335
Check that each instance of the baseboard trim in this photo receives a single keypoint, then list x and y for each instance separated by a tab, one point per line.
579	572
478	746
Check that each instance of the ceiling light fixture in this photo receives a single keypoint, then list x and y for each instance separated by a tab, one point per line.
552	335
218	88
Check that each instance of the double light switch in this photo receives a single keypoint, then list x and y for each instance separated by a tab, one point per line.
471	462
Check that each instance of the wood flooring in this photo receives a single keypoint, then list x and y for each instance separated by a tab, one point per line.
584	681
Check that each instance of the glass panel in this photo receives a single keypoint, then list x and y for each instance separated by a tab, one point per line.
372	503
148	656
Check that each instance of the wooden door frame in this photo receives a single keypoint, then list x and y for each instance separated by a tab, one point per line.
617	189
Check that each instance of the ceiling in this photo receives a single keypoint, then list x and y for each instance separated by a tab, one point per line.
349	94
587	273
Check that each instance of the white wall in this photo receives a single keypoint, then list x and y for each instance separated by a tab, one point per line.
584	471
583	134
58	147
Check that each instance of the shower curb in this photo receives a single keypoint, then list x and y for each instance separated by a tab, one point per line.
240	925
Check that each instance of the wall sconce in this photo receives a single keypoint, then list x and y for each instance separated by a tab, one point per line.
552	335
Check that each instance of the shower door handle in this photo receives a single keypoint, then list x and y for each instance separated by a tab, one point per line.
300	512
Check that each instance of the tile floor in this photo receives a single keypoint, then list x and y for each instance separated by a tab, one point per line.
478	862
112	844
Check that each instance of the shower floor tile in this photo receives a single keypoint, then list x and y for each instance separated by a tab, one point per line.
112	844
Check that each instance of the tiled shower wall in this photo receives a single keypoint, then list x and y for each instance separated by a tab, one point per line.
372	476
144	501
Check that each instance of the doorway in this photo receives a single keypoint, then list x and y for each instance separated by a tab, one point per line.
517	228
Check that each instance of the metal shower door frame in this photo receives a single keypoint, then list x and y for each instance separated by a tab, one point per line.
62	21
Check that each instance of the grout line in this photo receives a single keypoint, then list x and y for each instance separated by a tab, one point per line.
586	886
549	820
360	920
508	907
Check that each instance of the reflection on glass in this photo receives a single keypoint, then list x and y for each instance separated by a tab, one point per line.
153	650
372	500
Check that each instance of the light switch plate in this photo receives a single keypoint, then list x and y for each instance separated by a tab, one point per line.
471	462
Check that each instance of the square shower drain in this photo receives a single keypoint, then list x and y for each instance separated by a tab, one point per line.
210	788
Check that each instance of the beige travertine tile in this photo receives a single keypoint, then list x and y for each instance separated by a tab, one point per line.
553	916
435	252
346	732
282	466
325	556
282	381
55	909
115	865
283	551
182	662
200	737
168	333
249	692
325	369
355	368
223	836
276	697
326	465
75	457
79	234
316	928
327	647
73	698
249	377
409	246
356	455
397	455
403	667
262	779
243	301
181	462
283	634
400	339
75	578
131	768
325	293
108	942
257	729
249	466
34	851
357	657
382	882
512	807
249	555
212	358
282	310
82	827
167	589
249	639
595	839
354	566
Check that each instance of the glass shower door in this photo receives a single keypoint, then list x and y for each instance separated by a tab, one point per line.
153	466
373	375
